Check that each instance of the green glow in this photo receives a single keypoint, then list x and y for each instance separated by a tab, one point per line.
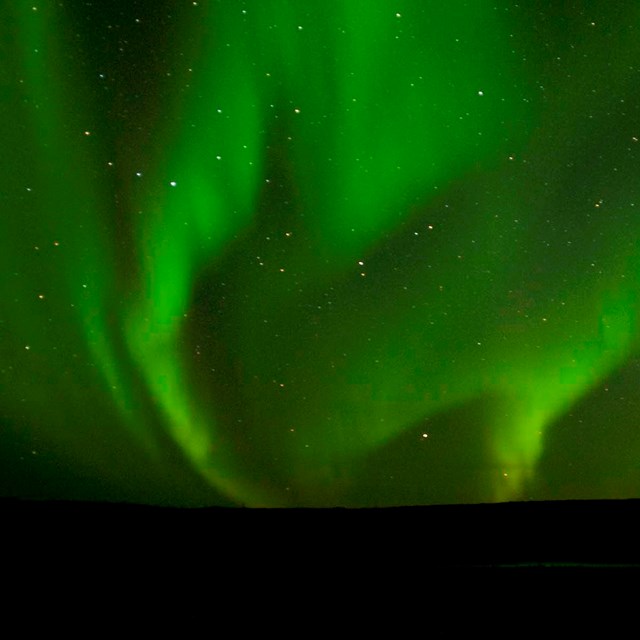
331	224
64	205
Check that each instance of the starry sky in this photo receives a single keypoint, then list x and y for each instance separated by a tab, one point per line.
320	252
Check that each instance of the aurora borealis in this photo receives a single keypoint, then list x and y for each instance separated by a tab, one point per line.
319	252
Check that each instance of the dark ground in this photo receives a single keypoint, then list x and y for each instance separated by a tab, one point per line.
534	536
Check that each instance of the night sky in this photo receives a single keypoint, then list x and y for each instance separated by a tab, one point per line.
319	252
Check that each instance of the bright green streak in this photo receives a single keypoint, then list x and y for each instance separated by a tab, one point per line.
207	185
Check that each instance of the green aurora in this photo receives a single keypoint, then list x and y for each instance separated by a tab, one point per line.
319	252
